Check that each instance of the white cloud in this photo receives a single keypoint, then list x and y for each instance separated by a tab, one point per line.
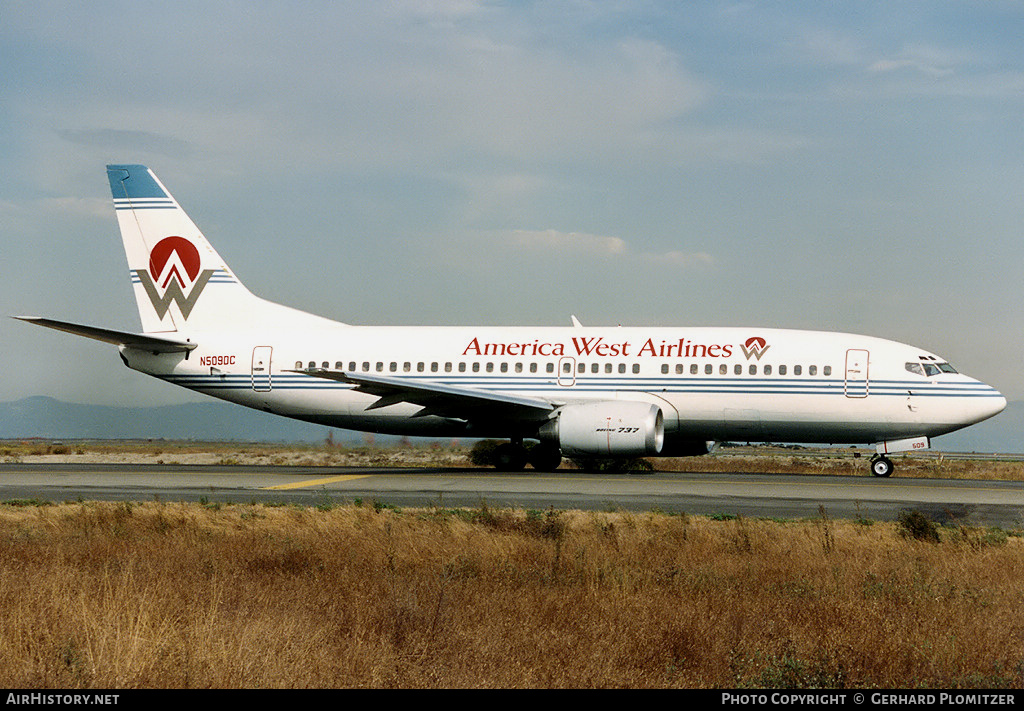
930	61
579	242
590	246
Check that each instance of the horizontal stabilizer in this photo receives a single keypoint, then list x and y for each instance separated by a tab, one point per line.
148	342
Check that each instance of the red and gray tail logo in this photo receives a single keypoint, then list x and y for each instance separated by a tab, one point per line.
174	276
755	347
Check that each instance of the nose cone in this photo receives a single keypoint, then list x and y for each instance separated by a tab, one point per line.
990	404
978	402
998	403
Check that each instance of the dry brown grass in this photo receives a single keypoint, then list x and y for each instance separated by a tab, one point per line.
107	595
452	454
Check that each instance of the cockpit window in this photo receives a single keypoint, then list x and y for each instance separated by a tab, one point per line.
930	369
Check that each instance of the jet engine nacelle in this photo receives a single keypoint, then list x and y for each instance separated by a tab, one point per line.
607	429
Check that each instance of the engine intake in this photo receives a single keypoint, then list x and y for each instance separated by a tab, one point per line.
607	429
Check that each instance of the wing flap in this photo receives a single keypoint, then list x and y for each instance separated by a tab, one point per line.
439	399
142	341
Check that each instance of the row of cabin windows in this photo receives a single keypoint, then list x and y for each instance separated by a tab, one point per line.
723	369
475	367
407	367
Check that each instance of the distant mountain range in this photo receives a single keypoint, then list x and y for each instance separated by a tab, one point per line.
204	421
221	421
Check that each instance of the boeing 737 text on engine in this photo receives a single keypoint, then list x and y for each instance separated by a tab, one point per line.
582	392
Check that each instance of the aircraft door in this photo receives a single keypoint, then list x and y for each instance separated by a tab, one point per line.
856	384
261	382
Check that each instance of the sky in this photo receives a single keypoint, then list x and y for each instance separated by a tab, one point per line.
848	166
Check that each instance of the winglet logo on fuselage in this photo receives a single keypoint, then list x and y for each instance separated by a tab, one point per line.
174	276
755	347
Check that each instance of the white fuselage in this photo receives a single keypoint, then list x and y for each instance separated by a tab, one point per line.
746	384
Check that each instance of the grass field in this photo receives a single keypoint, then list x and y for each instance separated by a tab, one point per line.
171	595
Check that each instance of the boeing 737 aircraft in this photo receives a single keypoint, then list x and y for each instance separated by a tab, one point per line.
580	392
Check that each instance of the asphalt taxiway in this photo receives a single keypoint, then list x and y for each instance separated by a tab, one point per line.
784	496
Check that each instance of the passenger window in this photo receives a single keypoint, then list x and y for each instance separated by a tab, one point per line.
533	367
723	369
607	367
767	370
433	367
567	367
753	370
827	370
622	367
582	368
366	366
490	367
312	364
519	367
462	367
708	369
476	367
325	365
298	365
419	367
693	368
812	370
406	367
636	368
664	369
595	368
550	368
339	366
352	365
380	366
679	368
737	369
782	370
393	367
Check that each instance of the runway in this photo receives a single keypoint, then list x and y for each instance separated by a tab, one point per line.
783	496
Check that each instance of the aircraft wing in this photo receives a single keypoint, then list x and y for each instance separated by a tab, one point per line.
437	399
142	341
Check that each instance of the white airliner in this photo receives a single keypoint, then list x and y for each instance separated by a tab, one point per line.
581	392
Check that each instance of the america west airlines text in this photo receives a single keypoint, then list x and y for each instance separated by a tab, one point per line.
598	346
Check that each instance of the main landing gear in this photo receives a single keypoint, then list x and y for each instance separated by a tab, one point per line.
881	466
513	457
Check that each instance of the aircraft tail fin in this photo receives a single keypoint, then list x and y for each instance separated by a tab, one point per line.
180	281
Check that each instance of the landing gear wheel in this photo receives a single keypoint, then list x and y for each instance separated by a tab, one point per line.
545	457
510	457
881	466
